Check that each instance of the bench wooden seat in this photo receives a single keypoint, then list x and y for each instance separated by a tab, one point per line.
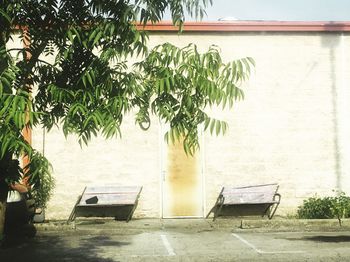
107	201
247	201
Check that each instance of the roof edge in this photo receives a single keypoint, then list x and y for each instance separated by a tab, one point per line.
249	26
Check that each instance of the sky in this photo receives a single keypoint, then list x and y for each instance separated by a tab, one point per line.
283	10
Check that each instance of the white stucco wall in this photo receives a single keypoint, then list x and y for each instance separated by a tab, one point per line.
291	128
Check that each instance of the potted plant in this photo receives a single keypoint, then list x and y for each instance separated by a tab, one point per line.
42	185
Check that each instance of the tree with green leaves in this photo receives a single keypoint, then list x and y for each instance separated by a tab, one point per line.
89	86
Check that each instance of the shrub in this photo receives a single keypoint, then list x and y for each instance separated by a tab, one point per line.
316	208
326	207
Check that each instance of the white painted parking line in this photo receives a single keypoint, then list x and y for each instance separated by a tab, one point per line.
247	243
282	252
259	251
167	245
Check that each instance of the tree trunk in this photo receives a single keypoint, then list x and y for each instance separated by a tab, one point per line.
3	198
2	218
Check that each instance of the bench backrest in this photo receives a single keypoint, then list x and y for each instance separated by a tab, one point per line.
111	195
250	194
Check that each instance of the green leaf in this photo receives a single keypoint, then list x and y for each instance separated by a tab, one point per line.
97	38
5	15
212	125
93	34
218	127
89	78
83	78
76	34
224	127
251	60
70	36
167	84
206	123
5	82
161	85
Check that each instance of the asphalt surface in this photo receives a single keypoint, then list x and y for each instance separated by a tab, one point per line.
184	240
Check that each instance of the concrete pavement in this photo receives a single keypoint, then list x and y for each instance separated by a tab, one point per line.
185	240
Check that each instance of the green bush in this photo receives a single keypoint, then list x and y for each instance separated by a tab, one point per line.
316	208
326	207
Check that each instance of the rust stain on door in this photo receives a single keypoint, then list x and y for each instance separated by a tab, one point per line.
183	182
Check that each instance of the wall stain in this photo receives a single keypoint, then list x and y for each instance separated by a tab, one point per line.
183	181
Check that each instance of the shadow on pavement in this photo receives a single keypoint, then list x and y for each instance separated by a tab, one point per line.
334	239
92	222
103	241
51	248
327	239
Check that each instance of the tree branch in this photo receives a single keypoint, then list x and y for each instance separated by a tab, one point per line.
18	49
42	61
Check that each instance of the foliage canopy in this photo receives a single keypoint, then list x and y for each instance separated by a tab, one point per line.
88	87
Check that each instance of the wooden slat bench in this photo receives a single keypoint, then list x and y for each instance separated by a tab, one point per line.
247	201
107	201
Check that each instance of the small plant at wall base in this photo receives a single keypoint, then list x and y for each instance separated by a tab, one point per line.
326	207
341	206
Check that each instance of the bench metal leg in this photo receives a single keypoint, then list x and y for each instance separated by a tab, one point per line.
211	211
274	207
132	212
134	208
217	212
73	214
218	205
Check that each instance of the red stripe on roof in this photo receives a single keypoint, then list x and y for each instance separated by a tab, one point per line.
251	26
